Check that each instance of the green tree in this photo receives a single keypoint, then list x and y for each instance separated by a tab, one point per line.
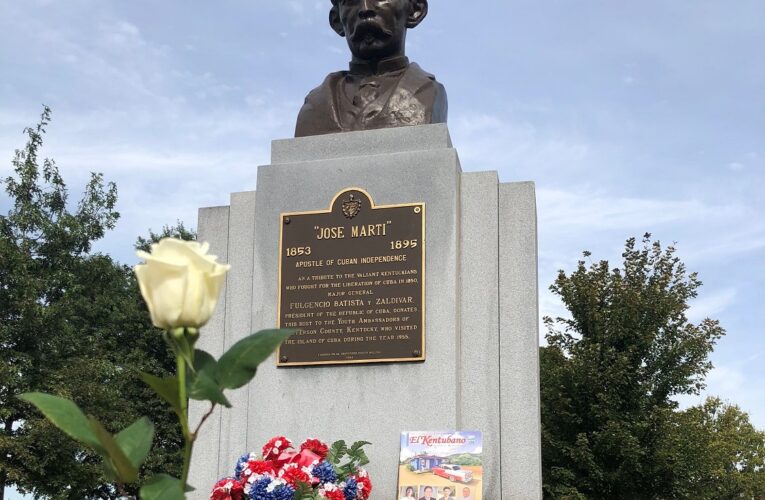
178	231
716	453
72	323
610	372
42	249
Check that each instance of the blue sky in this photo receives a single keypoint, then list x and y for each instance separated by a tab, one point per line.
630	117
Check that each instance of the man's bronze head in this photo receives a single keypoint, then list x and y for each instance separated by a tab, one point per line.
376	29
381	88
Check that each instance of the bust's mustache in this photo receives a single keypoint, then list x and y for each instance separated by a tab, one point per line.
367	28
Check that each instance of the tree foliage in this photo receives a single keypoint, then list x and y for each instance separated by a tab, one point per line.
178	231
715	452
610	372
72	323
42	291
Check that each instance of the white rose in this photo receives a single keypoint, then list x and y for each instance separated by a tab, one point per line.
180	283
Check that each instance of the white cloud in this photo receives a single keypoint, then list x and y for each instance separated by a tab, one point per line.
725	380
736	166
306	12
745	235
598	210
121	35
735	385
711	304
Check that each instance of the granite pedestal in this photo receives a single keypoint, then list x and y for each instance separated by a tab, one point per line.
482	367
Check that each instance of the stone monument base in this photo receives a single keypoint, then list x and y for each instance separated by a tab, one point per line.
481	305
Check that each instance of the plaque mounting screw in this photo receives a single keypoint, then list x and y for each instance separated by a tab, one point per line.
416	353
287	220
417	210
284	359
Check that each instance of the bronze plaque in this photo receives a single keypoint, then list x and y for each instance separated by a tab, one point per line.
351	280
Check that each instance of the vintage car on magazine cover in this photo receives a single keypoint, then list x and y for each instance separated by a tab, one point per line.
453	473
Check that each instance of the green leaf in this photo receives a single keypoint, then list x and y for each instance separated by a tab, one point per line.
304	491
358	445
162	487
109	471
135	440
65	415
203	361
167	388
121	464
337	451
362	458
202	387
357	453
203	382
238	365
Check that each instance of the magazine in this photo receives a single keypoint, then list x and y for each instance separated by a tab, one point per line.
440	466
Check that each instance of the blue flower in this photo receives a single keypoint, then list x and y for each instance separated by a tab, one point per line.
242	463
325	472
351	489
259	490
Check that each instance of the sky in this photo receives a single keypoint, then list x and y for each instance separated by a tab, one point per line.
631	117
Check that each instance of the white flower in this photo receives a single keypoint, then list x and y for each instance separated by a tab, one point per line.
180	283
287	467
274	484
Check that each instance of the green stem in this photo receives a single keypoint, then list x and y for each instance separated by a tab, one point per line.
187	437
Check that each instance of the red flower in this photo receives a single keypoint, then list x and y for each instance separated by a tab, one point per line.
227	489
275	447
316	446
294	475
365	486
258	467
335	494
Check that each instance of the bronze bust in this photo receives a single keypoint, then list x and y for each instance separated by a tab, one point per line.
382	88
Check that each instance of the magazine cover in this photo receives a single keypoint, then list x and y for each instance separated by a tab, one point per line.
440	466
